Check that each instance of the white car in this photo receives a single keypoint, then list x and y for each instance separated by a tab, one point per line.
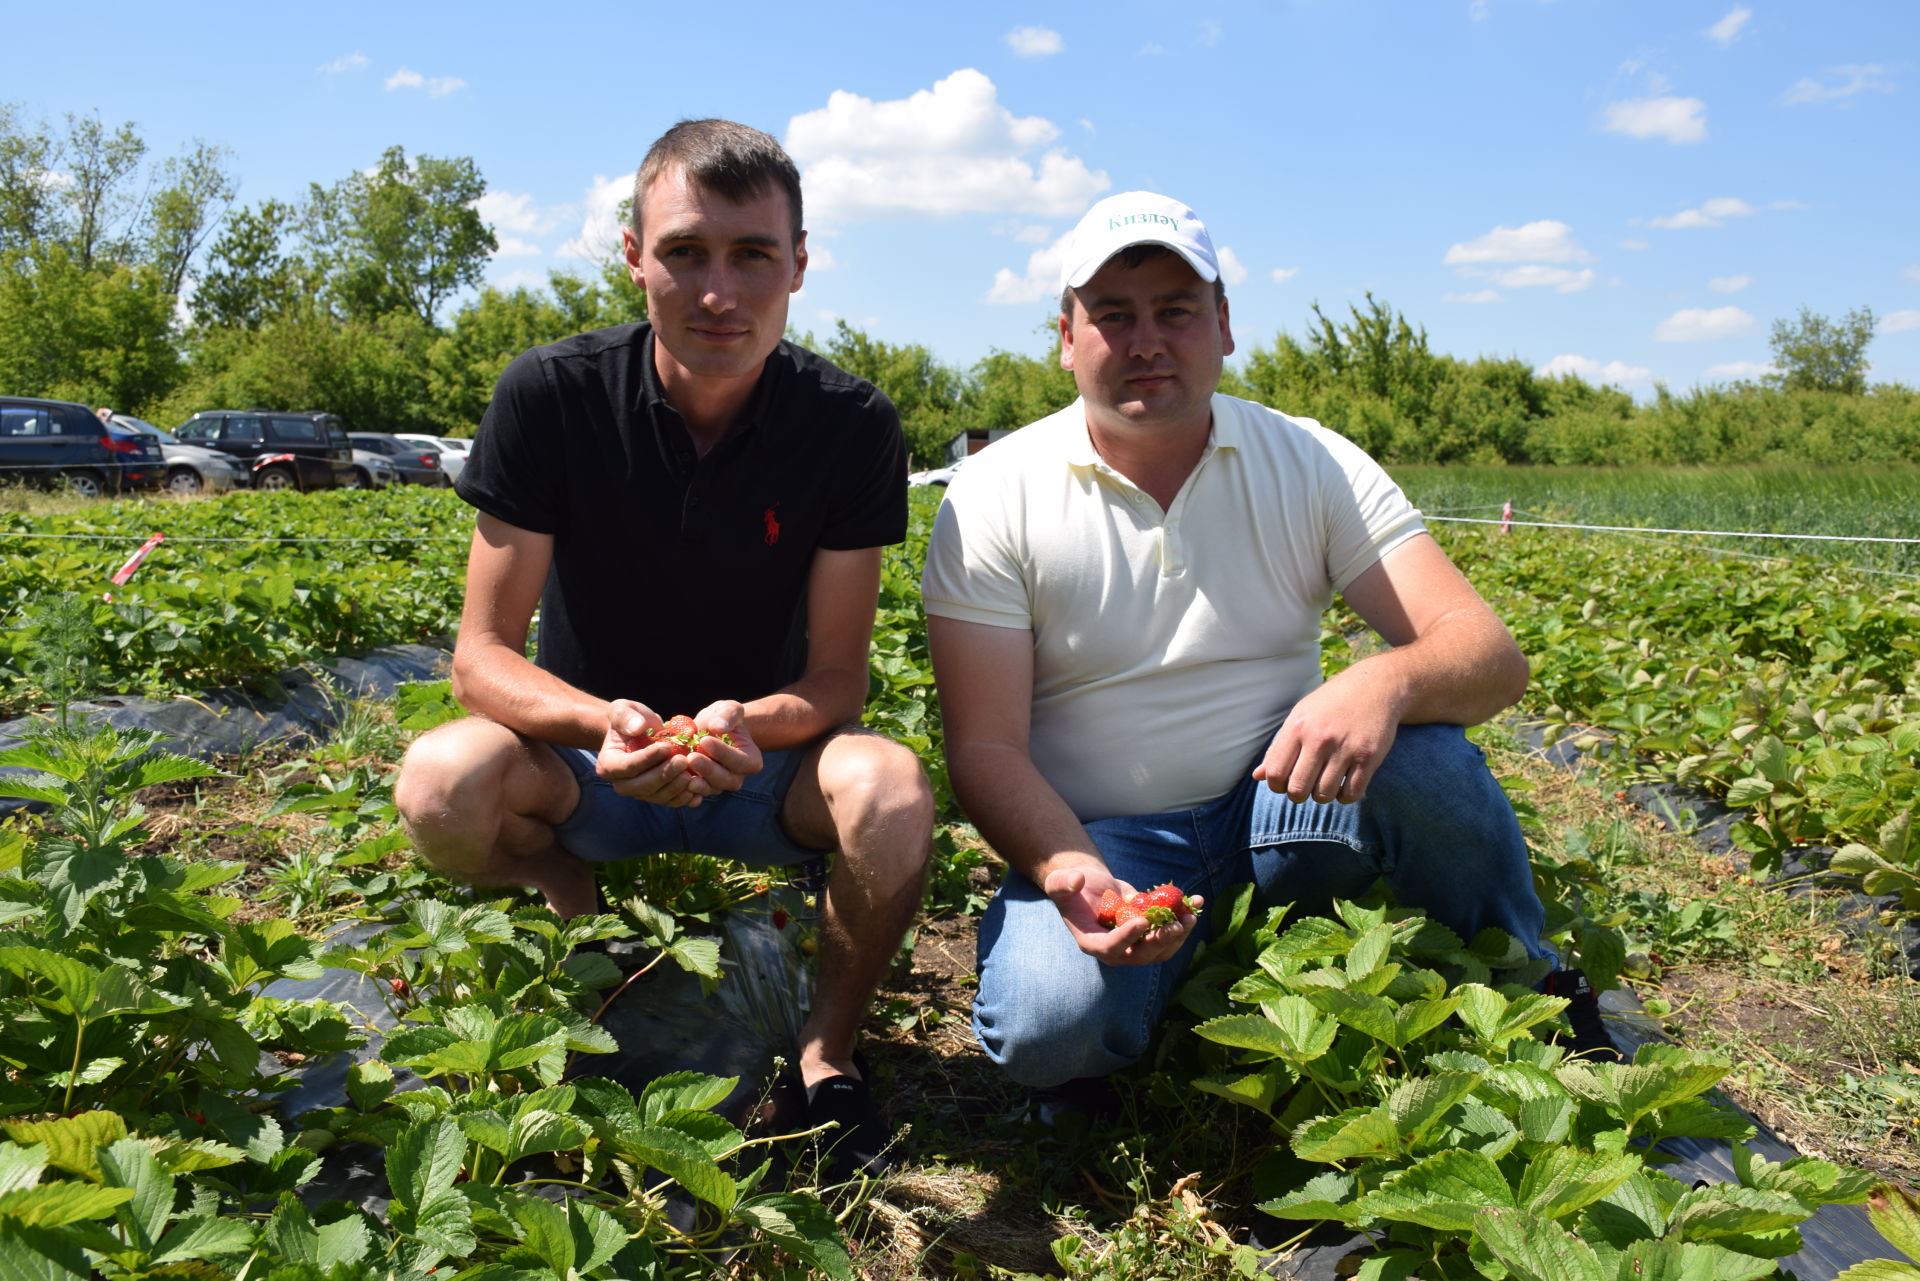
936	475
453	460
191	469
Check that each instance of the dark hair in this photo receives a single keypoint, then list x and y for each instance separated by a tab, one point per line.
730	160
1132	256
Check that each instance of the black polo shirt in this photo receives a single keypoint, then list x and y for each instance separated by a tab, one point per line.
678	579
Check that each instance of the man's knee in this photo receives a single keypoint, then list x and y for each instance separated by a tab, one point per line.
1435	764
1066	1036
879	803
456	788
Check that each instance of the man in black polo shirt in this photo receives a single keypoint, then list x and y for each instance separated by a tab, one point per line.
698	510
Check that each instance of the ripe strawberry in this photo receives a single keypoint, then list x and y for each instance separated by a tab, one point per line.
779	918
400	988
1109	908
1139	907
682	734
1167	895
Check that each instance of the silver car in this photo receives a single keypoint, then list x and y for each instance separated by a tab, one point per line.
371	470
191	469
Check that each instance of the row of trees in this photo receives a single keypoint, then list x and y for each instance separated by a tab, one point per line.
136	282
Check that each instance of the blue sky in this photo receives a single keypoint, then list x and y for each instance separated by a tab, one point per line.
1631	189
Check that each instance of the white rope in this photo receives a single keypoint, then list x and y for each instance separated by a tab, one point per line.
260	538
1701	533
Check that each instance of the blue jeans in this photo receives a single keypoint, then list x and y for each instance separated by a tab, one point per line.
1434	823
743	825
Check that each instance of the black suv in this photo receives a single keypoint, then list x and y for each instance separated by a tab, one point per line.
280	450
56	442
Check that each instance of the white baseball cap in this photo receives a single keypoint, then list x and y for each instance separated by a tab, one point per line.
1135	218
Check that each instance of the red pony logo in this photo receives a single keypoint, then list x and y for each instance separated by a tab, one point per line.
772	523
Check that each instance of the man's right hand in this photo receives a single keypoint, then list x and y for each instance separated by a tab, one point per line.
1076	892
655	772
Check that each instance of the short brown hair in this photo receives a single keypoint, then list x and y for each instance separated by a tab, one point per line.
730	160
1132	256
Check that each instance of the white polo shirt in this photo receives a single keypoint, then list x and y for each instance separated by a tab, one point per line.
1168	646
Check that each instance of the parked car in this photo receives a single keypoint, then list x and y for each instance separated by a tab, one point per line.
412	463
453	455
371	470
191	469
54	443
935	475
281	450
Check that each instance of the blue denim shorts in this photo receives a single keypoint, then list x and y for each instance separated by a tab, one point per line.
744	825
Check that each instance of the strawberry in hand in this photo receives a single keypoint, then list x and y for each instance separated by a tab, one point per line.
1158	907
680	734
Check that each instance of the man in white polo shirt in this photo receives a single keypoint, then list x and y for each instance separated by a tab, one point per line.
1123	603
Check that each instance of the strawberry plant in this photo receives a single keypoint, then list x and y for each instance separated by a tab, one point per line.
1386	1055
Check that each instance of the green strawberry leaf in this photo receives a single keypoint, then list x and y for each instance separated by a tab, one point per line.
1536	1249
1895	1212
53	1205
1444	1192
1357	1132
804	1227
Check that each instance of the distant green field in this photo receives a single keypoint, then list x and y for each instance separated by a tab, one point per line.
1874	502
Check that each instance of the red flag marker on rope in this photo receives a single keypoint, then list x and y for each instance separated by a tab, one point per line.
1506	518
121	575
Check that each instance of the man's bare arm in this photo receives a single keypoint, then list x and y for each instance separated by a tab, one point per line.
985	677
1452	661
492	676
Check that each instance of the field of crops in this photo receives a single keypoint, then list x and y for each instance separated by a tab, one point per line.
1390	1074
1873	503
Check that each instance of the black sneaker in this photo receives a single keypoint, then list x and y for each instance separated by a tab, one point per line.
860	1139
1588	1038
1073	1104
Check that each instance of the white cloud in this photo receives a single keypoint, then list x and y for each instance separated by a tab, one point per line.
516	211
1729	284
1210	33
1477	295
1026	233
1852	79
1041	281
1590	370
1151	50
1480	10
1544	241
436	86
348	63
510	246
1727	30
599	236
1913	273
1636	244
1741	371
1232	270
1564	280
819	256
1678	120
1898	322
1281	275
950	149
1034	42
1699	324
1711	213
